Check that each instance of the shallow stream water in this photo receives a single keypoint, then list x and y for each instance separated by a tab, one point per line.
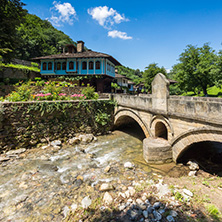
36	184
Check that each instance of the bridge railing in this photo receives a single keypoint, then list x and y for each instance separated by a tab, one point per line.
207	108
134	101
198	108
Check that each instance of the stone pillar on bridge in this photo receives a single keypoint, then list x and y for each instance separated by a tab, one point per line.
160	92
158	150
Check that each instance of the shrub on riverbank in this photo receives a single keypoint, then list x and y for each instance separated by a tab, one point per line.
49	91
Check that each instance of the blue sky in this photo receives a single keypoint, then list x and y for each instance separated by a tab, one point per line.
136	33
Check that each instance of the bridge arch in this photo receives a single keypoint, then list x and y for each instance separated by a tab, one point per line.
161	130
121	114
161	127
182	142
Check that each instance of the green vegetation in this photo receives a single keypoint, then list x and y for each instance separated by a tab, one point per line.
51	90
197	69
179	196
22	93
213	91
115	86
213	211
27	36
12	14
134	75
39	38
149	74
102	118
22	67
89	92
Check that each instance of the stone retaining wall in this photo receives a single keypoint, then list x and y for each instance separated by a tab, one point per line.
25	124
13	73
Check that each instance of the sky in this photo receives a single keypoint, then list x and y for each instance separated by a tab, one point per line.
136	33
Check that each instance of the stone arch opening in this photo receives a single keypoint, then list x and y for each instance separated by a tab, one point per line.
207	154
129	125
128	116
161	130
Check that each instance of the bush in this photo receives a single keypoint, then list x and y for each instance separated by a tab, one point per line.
37	79
89	92
175	90
22	93
213	211
51	87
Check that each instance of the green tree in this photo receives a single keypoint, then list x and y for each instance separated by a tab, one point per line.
217	70
134	75
11	15
196	68
38	38
149	74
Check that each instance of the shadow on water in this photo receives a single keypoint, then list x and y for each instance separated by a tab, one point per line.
207	154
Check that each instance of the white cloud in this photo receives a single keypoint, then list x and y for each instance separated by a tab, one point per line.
62	13
168	70
118	34
106	17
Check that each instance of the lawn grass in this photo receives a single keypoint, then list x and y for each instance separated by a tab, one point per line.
211	91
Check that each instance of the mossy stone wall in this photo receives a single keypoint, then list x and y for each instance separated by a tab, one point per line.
26	124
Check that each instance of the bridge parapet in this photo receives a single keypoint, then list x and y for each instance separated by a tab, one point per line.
202	109
141	102
205	109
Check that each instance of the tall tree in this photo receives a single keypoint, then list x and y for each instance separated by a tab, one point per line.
194	71
11	15
38	38
149	74
217	70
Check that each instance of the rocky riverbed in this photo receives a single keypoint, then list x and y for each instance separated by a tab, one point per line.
104	180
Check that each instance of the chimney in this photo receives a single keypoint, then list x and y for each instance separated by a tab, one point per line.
80	46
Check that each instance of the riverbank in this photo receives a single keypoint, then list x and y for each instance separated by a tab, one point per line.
92	182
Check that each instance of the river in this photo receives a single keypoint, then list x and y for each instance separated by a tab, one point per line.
37	184
39	181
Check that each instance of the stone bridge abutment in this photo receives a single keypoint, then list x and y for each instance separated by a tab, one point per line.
171	124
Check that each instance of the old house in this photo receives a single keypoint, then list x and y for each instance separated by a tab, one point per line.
78	61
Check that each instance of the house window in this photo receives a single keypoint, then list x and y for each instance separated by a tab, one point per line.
71	65
49	66
44	66
98	65
90	65
58	67
77	65
64	66
108	67
84	65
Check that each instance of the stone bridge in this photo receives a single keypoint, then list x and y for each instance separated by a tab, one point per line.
171	124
